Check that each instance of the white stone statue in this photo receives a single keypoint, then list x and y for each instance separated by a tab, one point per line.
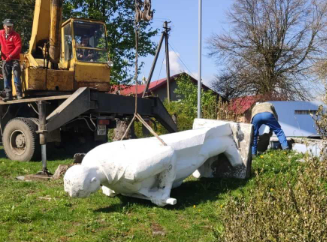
147	169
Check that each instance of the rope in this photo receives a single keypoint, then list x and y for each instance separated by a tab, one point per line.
150	129
139	13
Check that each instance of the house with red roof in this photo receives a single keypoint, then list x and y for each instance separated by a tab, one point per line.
156	88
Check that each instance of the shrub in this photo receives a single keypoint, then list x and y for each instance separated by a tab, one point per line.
185	109
224	112
291	206
321	122
187	92
321	118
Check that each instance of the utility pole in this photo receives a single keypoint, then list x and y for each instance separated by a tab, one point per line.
165	35
167	59
200	58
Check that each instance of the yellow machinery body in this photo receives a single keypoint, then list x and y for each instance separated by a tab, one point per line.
75	58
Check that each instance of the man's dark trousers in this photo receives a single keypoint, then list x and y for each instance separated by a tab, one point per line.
7	68
269	120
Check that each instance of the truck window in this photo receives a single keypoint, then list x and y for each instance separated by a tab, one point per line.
91	44
68	42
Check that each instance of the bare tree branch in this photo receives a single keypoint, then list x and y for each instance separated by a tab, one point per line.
270	46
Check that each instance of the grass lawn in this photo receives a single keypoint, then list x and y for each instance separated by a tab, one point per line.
207	209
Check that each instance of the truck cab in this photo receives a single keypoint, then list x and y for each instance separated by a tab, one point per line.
83	41
84	51
63	57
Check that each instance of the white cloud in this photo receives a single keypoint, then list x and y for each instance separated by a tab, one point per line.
175	66
206	80
195	75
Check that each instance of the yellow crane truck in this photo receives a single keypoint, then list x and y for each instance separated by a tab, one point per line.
66	80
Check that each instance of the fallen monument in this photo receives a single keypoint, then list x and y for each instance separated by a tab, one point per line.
147	169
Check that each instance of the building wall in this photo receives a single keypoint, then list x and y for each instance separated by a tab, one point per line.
295	117
162	92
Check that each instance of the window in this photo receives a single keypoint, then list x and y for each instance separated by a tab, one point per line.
305	112
91	44
68	43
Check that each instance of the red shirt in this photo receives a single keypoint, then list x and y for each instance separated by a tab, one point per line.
10	46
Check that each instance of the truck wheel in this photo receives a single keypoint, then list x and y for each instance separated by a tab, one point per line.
20	140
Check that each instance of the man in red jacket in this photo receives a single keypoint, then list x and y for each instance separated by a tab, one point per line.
11	46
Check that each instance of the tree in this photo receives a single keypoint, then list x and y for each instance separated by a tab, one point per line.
228	86
320	118
119	17
271	45
186	108
21	12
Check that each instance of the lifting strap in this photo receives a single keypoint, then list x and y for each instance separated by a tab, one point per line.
145	15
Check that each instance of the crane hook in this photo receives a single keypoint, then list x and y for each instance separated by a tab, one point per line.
146	14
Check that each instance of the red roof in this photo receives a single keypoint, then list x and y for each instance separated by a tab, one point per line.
127	90
242	104
130	90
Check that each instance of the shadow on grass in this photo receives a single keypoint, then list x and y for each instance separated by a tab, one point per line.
199	191
2	152
58	153
54	152
190	193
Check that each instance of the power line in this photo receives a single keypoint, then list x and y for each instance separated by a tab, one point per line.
163	59
180	59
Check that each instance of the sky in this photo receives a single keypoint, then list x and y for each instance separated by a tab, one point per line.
183	39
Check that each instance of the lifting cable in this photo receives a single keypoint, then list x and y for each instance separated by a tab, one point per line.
146	15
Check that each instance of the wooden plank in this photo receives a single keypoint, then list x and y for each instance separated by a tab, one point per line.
30	100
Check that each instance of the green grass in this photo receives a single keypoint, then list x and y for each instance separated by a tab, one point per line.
207	209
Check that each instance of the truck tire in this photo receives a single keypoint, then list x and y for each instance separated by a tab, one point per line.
20	141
